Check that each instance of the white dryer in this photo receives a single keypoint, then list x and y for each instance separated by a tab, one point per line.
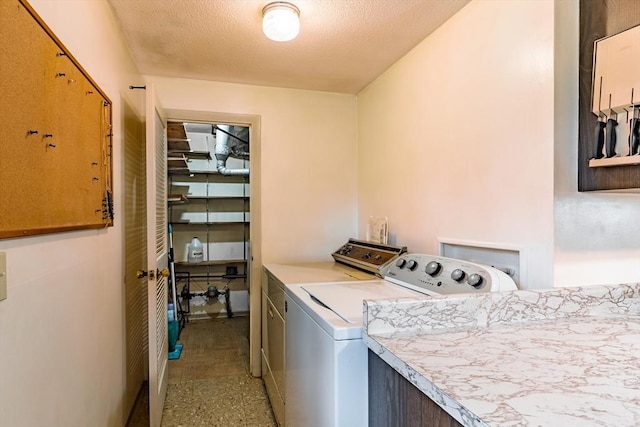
356	260
326	359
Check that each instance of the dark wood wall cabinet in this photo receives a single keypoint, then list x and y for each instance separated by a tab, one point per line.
599	19
395	402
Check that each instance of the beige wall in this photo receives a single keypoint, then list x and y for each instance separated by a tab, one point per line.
62	326
306	158
307	161
472	136
456	139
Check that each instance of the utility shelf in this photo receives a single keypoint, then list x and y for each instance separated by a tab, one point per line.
183	198
177	148
189	173
206	204
176	131
191	154
212	262
208	222
179	143
177	198
177	162
213	276
212	197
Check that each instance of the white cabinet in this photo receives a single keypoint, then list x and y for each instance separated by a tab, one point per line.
273	343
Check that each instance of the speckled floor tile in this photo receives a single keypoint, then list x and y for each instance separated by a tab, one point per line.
210	385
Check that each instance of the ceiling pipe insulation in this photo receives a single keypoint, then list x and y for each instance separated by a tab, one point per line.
228	143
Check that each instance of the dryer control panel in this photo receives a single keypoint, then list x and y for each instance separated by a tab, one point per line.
437	275
375	258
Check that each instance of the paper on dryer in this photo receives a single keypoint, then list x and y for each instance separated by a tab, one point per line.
377	230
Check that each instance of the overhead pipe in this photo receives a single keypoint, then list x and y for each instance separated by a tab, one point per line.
235	151
222	151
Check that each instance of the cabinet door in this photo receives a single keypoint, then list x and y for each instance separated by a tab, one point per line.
157	255
395	402
275	339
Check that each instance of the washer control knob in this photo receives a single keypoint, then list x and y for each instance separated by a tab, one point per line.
475	280
412	265
367	255
458	275
401	262
433	268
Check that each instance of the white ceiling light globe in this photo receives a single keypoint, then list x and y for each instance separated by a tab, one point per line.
281	21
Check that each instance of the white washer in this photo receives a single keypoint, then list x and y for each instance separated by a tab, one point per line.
326	359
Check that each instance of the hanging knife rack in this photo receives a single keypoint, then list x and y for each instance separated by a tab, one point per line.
616	75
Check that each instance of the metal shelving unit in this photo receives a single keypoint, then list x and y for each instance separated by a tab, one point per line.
214	207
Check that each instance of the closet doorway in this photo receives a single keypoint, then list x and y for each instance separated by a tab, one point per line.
214	196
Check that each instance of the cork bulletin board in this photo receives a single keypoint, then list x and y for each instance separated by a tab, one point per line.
55	133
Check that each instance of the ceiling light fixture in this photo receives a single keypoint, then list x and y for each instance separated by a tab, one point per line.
281	21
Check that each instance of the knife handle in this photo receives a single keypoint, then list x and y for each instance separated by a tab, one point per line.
600	139
611	137
634	137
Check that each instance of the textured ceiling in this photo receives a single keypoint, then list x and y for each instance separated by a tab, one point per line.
343	44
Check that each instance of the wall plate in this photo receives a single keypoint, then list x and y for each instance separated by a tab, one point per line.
502	257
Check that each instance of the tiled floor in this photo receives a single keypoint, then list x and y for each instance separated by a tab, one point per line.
210	384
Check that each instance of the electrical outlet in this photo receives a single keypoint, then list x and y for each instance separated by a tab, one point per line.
3	276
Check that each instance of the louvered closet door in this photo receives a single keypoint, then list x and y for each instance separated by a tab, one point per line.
156	127
135	256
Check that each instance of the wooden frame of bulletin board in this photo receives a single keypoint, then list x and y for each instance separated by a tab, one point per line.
55	133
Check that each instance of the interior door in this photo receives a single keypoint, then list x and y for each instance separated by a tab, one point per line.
135	255
157	251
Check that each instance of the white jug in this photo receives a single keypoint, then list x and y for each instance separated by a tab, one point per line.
195	253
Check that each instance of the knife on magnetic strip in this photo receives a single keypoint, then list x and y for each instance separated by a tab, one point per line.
600	125
611	137
634	133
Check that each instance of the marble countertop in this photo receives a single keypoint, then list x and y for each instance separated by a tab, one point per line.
561	357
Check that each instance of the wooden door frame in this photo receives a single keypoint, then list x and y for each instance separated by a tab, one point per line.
255	234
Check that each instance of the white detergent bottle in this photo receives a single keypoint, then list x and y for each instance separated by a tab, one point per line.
195	251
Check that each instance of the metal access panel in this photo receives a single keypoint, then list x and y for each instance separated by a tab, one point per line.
497	256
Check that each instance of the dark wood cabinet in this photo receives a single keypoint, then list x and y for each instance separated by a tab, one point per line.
395	402
598	19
